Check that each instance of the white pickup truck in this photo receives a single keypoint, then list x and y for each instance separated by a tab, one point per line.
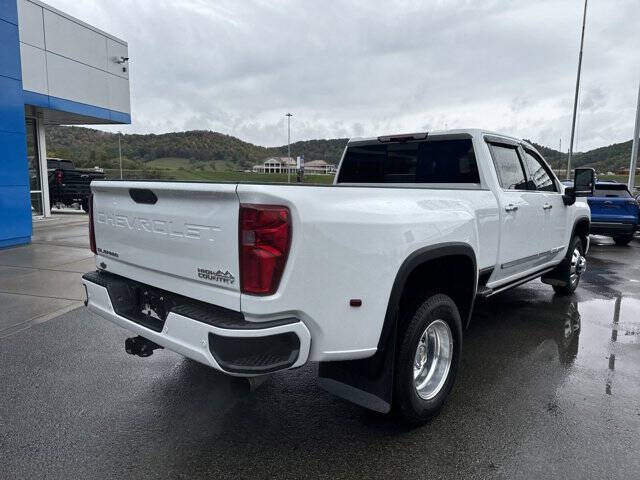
374	277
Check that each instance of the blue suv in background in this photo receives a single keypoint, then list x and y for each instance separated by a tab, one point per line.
614	211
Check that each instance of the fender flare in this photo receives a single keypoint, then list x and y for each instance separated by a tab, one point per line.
555	275
369	382
413	261
575	226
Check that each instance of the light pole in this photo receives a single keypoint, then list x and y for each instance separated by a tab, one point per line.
288	115
120	153
575	98
634	148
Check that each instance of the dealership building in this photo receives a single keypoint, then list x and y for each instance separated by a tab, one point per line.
54	70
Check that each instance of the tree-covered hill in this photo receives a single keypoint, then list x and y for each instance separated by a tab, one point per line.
90	147
604	159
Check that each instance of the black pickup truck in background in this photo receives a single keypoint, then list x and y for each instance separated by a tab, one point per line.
68	184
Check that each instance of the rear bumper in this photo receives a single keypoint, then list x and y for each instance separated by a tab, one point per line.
208	334
612	228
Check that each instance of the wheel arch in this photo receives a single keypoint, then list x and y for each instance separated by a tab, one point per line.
581	227
419	262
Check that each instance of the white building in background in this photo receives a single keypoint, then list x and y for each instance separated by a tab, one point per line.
276	165
289	165
319	167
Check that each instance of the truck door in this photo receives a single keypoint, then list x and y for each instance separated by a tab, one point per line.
521	215
555	211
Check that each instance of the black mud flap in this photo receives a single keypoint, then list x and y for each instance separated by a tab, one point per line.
556	276
367	382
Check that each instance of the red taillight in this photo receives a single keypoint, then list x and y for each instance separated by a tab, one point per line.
59	177
265	236
92	234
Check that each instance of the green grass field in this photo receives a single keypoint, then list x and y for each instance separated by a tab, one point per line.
175	163
169	163
183	169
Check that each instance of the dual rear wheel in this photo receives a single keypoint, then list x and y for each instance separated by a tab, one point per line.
430	341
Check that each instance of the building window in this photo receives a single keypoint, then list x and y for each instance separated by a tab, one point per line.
33	159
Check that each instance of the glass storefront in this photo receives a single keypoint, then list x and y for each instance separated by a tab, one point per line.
35	180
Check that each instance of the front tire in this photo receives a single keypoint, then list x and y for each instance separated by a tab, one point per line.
430	343
572	268
623	240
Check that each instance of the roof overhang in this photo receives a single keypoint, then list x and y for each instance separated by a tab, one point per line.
58	111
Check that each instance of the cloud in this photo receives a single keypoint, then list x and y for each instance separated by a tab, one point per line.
349	68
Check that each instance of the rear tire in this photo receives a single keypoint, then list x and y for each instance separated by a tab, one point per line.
571	268
430	343
623	240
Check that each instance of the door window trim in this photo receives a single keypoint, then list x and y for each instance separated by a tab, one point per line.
514	146
520	147
545	166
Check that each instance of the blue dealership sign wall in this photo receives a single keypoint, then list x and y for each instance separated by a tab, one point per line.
15	202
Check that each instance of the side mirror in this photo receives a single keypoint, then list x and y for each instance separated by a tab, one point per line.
584	182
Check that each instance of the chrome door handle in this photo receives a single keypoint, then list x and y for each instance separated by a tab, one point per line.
510	208
546	206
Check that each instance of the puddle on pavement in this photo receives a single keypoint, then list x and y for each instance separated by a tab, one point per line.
596	340
610	342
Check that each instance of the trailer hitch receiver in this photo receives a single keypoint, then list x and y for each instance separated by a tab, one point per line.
140	346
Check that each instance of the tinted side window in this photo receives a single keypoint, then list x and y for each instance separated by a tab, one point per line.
539	177
508	167
436	161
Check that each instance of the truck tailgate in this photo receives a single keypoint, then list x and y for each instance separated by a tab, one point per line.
181	237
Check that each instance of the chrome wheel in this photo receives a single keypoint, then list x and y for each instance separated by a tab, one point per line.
433	358
577	266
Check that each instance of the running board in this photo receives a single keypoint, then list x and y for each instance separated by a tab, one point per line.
485	292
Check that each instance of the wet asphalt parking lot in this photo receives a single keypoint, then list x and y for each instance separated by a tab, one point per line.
549	387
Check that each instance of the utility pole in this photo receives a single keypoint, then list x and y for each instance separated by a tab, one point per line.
575	99
120	153
288	115
634	148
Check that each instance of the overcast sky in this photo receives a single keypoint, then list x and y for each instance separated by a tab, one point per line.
347	68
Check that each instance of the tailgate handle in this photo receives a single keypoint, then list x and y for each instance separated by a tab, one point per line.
143	195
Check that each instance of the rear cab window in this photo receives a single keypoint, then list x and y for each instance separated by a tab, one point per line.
62	164
433	161
612	191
